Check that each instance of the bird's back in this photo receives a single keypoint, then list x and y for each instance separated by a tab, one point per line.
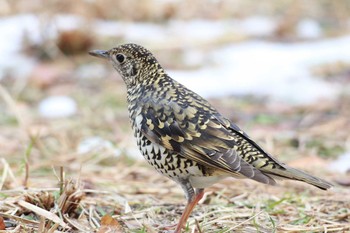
181	123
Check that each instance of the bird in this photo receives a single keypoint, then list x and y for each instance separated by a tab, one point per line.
184	137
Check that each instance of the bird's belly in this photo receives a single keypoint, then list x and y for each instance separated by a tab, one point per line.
173	165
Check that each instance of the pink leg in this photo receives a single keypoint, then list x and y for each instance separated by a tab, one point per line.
188	210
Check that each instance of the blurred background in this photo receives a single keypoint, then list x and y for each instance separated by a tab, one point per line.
279	69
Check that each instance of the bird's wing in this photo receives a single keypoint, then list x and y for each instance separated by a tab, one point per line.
203	135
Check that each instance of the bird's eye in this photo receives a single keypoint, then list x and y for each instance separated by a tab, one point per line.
120	57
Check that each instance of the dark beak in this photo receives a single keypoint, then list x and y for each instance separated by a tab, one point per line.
99	53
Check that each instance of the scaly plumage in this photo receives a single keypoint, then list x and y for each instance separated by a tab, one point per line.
183	137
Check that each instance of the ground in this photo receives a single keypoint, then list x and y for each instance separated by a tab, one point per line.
42	167
79	170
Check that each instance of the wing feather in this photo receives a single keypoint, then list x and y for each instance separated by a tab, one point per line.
199	137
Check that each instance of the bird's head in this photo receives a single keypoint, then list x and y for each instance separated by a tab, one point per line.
133	62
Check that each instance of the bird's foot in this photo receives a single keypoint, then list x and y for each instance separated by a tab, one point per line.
169	227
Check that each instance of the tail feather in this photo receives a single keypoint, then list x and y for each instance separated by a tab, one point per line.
295	174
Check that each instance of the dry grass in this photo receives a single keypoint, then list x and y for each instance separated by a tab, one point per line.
48	186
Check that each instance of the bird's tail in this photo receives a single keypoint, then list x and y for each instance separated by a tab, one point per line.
295	174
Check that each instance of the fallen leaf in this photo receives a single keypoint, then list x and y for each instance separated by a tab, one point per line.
110	225
2	223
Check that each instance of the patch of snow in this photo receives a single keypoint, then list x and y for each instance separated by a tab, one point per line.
143	32
13	29
57	106
107	28
342	164
96	144
276	70
257	26
67	22
96	70
280	71
185	31
134	152
34	29
194	57
198	29
309	29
